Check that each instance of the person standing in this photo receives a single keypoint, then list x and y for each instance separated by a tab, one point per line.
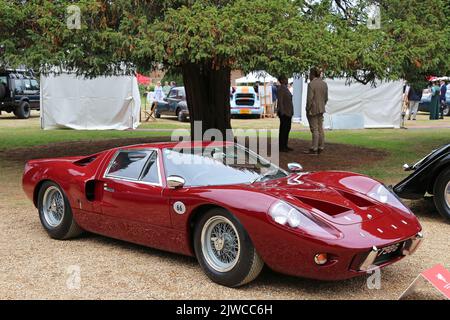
317	98
285	113
166	88
443	97
159	92
414	97
274	89
434	104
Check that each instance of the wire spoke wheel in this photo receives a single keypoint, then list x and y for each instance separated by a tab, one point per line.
220	244
53	206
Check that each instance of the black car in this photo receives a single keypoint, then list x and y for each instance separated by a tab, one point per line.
431	175
19	93
174	105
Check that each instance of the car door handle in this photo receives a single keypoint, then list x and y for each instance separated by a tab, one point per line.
108	189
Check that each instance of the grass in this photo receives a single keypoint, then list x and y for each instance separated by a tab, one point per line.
403	146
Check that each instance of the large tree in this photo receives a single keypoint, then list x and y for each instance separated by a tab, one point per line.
206	39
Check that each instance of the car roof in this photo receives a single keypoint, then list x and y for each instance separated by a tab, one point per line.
183	144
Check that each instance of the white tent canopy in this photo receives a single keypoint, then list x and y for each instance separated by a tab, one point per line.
102	103
257	76
359	106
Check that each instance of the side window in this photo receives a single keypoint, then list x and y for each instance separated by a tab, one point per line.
173	93
151	173
18	86
128	164
34	85
27	84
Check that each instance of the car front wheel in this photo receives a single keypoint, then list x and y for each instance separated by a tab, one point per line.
224	249
442	194
55	212
23	111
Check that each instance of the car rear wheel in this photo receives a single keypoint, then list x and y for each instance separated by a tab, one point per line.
224	249
157	114
442	194
23	110
180	115
55	212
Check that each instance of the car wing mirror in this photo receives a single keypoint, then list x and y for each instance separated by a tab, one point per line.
295	167
175	182
406	167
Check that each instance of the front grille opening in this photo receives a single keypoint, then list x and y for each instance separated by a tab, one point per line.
245	95
384	257
326	207
358	201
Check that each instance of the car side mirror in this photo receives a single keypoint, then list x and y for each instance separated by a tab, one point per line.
406	167
175	182
295	167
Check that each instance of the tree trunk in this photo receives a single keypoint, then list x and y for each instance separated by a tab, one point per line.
208	97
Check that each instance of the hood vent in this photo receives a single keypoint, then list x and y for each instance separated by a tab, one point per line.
326	207
358	201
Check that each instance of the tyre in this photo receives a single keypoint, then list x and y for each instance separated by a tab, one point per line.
55	212
442	194
446	111
180	115
157	114
23	111
224	249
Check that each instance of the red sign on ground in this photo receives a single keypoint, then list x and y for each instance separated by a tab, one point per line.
439	278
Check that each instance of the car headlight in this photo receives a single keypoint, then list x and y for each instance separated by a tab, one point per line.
382	194
284	214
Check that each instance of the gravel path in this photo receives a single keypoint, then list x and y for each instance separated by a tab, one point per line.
33	266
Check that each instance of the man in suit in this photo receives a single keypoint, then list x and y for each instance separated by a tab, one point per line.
285	113
317	98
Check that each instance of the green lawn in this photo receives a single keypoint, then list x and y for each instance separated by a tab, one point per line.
403	146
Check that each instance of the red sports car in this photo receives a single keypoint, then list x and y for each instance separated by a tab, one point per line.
231	208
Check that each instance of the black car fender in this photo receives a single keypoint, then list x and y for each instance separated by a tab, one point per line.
422	180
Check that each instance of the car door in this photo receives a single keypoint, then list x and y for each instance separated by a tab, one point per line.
31	90
132	188
172	101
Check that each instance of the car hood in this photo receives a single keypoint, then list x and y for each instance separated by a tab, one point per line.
330	196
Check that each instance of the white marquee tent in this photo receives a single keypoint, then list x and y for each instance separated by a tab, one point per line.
102	103
359	106
257	76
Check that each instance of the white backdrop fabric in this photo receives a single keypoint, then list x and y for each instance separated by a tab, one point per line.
359	106
103	103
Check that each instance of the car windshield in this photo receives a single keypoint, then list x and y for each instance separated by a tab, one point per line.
212	166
